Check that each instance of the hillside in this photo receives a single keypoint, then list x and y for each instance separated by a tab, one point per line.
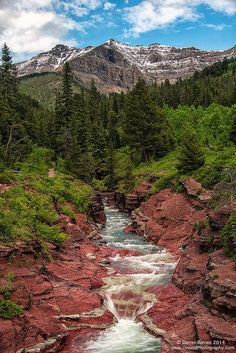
44	87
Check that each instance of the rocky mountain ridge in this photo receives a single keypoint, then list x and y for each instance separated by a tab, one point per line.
116	66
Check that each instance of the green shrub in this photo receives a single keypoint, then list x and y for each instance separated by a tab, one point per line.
6	176
9	309
6	289
6	232
200	226
65	189
51	234
10	277
39	160
191	153
209	175
163	182
28	208
60	165
68	211
100	184
227	236
123	167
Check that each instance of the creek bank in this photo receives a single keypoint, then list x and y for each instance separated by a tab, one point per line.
56	288
200	303
96	209
131	201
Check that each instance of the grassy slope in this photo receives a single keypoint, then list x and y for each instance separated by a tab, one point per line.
30	199
218	166
43	87
163	171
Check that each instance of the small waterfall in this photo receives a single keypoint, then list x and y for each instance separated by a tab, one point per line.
127	336
127	294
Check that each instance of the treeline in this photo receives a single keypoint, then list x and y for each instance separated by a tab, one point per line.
101	138
85	129
215	84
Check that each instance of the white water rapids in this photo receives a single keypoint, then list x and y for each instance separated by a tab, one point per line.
127	291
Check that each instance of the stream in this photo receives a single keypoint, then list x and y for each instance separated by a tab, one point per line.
127	291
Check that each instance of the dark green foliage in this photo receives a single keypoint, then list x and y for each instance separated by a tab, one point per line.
8	74
6	287
67	93
228	236
216	83
9	309
146	128
191	155
232	134
123	167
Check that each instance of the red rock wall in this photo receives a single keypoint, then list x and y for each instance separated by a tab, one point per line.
200	303
55	293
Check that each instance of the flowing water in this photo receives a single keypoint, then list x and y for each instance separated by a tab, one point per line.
127	291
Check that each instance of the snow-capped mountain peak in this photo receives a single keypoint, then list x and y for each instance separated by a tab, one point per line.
51	60
116	66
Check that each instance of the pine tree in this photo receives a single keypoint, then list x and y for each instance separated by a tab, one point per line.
191	152
139	122
64	111
8	74
67	94
98	132
145	127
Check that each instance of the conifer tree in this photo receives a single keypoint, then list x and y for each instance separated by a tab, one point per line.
144	126
98	133
8	74
191	155
67	94
64	111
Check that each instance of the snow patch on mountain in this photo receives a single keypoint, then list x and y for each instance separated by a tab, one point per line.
51	60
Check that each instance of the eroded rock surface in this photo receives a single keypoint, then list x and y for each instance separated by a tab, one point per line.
200	302
57	290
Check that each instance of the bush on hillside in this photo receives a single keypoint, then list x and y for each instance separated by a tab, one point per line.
228	236
9	309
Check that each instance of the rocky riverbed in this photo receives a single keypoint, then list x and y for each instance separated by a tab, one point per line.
62	292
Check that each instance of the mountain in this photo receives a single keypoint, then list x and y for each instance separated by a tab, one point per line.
116	66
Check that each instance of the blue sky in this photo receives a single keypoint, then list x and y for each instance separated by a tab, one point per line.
33	26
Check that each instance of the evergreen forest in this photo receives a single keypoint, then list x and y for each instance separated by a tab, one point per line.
113	142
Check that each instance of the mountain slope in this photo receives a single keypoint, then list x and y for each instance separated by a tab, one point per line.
116	66
43	87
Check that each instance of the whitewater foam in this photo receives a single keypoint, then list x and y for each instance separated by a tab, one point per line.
127	336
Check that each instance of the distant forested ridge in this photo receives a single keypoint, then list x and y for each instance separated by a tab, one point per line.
215	84
103	139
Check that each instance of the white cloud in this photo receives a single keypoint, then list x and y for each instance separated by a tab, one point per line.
227	6
152	14
30	26
217	27
80	7
109	5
